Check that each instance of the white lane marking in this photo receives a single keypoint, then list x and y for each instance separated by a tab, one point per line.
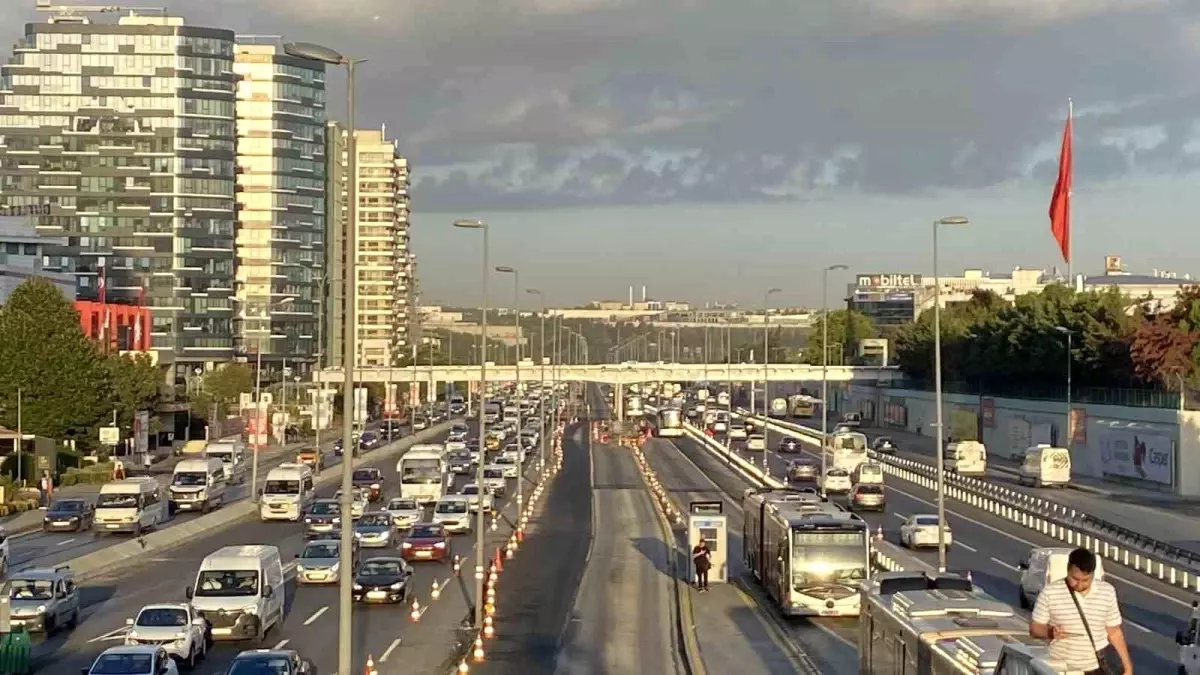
388	652
901	516
115	634
280	645
65	542
972	549
316	615
1004	564
1136	625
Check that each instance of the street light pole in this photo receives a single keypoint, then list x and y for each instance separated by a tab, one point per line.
825	365
516	274
937	374
259	415
1070	357
767	371
542	366
479	522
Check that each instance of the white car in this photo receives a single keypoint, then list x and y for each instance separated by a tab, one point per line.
737	433
837	480
456	445
756	442
134	660
404	512
508	465
453	512
358	501
173	626
510	455
922	530
471	492
493	478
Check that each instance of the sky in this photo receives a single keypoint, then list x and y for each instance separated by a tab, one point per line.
711	149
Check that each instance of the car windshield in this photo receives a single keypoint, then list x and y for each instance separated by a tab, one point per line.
366	474
322	550
67	506
117	500
883	439
504	459
123	664
870	490
402	505
261	665
451	507
375	568
162	618
426	531
837	473
227	583
374	520
31	589
325	509
282	487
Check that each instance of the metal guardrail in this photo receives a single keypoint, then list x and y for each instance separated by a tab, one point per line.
1166	562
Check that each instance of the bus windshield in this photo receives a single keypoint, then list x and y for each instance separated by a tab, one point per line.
421	472
828	557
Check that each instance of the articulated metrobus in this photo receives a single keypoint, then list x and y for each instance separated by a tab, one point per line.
808	553
802	406
846	450
670	422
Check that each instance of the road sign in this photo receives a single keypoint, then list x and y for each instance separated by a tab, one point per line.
110	435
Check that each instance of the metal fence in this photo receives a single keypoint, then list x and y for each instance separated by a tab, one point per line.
1117	396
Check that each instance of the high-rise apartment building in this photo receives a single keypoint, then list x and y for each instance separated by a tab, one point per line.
281	206
334	300
383	260
123	135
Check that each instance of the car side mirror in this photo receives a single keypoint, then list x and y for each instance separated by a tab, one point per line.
1179	638
296	556
189	592
260	492
128	622
85	670
268	591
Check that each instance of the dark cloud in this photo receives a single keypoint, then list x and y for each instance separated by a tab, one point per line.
539	103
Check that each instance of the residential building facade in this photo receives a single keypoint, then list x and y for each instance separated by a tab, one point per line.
281	207
21	256
126	133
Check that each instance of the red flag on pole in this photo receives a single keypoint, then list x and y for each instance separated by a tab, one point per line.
1060	201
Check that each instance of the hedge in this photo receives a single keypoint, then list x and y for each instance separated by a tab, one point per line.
18	506
97	473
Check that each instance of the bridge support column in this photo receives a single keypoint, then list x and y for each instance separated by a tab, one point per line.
619	402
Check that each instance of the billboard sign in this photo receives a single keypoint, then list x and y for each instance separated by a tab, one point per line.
888	281
1132	450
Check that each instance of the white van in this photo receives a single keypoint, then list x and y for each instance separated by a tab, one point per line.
287	493
240	590
1044	566
232	453
198	485
1045	465
868	473
130	505
968	458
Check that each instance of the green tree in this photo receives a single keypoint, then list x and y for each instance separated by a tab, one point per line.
224	386
846	328
133	384
45	355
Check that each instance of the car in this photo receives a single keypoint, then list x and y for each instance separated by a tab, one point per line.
493	478
471	492
323	517
176	627
512	454
369	440
508	465
459	429
459	462
737	433
787	444
836	480
69	515
272	662
454	513
42	600
420	422
339	445
311	457
867	497
756	442
803	469
382	580
130	660
426	541
374	530
359	499
405	512
884	445
456	446
921	530
391	429
370	479
320	561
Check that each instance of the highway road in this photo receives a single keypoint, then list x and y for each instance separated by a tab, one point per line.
385	632
990	548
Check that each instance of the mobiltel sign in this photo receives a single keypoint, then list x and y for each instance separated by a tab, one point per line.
889	281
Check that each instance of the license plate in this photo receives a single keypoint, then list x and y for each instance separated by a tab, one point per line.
424	554
61	522
377	595
222	631
829	612
112	526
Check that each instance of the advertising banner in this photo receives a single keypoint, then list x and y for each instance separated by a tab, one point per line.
1078	426
141	432
987	411
1134	451
895	413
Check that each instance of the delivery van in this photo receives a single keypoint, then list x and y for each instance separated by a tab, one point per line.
198	485
240	590
1045	466
968	458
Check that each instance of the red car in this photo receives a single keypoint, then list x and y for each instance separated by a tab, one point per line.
425	541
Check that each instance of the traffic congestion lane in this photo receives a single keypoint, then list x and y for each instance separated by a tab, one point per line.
991	548
827	642
1163	519
110	599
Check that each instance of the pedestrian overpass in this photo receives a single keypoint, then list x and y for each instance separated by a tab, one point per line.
616	374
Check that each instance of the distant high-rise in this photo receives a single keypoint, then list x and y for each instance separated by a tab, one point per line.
281	206
124	133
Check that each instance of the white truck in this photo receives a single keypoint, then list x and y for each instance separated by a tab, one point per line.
779	408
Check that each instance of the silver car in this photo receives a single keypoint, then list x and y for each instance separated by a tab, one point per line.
320	562
374	530
508	465
405	512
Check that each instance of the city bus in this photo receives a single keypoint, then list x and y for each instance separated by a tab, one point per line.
808	553
846	450
423	474
802	406
670	422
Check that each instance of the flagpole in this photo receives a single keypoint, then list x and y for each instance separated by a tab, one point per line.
1070	198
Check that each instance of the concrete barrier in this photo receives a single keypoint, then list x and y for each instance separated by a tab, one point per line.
97	562
1157	559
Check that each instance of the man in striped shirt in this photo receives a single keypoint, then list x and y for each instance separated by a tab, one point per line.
1057	619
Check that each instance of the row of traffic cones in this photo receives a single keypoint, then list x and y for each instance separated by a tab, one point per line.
656	488
488	630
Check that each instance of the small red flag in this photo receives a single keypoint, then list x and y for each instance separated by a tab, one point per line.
1060	201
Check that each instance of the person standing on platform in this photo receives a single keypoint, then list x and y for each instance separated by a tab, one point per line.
702	559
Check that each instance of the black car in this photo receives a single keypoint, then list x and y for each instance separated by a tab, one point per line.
789	444
339	446
369	440
371	480
273	661
382	580
68	515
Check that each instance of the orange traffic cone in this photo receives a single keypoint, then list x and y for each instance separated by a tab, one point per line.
370	669
498	561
